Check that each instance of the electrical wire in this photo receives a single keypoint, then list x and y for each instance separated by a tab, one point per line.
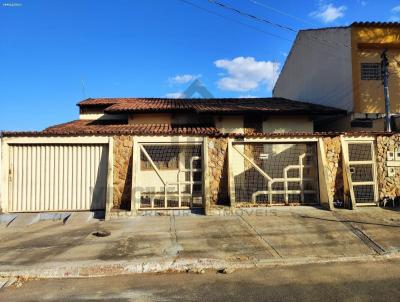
258	29
281	12
280	26
235	10
236	21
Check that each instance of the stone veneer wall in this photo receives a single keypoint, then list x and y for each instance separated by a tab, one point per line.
122	171
251	125
333	152
387	186
218	171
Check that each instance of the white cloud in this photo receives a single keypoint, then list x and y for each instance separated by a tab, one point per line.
362	2
247	96
183	78
175	95
396	9
396	14
246	74
328	12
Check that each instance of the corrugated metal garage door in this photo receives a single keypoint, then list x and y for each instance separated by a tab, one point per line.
46	177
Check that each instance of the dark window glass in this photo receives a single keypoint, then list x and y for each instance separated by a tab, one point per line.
371	71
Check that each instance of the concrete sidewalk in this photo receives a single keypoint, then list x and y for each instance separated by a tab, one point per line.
253	238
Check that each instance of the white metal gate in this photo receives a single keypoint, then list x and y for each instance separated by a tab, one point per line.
55	177
362	170
275	173
170	176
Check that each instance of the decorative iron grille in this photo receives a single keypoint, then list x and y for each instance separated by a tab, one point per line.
172	175
276	173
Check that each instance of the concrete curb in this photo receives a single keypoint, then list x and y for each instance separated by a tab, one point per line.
107	269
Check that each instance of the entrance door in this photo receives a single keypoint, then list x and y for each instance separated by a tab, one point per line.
362	170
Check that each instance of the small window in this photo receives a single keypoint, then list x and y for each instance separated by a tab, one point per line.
371	71
362	123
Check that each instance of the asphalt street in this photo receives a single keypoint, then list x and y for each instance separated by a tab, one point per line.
363	281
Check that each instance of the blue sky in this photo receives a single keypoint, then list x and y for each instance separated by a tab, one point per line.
50	50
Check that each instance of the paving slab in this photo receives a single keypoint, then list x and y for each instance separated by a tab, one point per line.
60	217
6	219
381	225
307	232
162	243
79	218
219	238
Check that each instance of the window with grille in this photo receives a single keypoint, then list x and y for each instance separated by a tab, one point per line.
371	71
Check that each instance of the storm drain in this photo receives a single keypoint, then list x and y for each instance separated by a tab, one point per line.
101	233
369	242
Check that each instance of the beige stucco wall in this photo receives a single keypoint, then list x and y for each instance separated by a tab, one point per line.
230	124
169	118
344	124
288	124
153	118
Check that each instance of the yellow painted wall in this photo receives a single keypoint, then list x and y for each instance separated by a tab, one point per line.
368	95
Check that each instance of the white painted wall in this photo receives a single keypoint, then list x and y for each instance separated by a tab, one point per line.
3	175
281	124
168	118
149	181
319	72
102	116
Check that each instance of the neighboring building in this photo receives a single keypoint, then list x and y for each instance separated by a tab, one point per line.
341	67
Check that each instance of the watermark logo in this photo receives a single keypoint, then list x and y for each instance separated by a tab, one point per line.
11	4
197	87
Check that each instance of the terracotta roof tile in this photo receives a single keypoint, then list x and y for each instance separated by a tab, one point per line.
83	127
97	102
103	128
375	24
221	105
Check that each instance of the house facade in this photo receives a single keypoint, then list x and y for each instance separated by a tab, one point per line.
128	156
341	67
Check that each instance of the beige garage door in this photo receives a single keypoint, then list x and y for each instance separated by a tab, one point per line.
44	177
